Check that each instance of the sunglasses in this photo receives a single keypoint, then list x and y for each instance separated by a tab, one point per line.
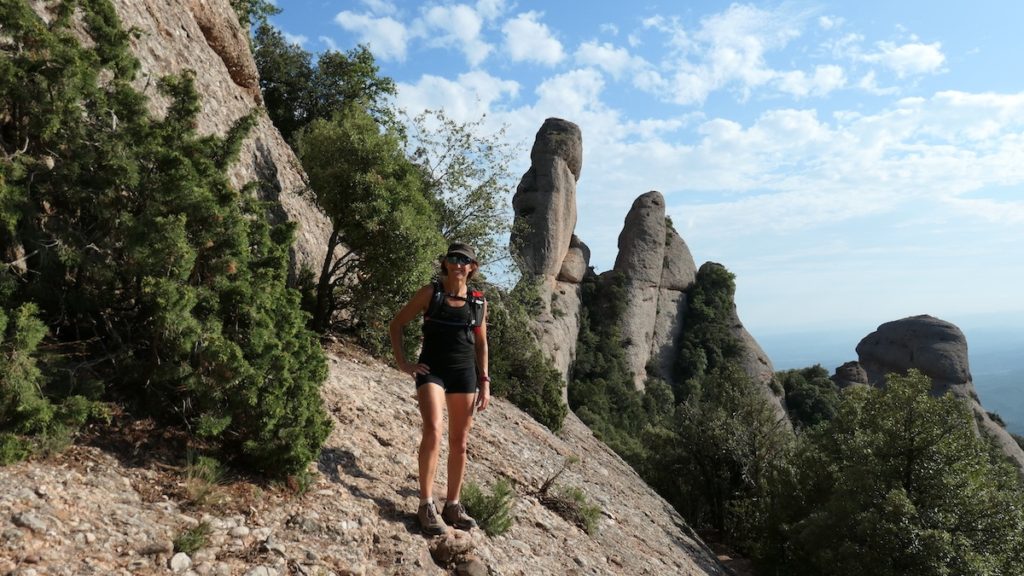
458	259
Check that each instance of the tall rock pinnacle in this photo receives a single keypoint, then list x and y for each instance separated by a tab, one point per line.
543	239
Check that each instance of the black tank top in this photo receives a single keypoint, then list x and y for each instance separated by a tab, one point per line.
448	340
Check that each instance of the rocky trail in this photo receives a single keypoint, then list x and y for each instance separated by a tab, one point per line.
116	504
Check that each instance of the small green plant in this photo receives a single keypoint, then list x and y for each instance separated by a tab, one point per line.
492	511
192	539
300	482
575	507
12	448
569	502
203	478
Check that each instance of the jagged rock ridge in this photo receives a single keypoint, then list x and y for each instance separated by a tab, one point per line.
652	257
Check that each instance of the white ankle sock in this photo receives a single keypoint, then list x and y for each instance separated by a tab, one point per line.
428	500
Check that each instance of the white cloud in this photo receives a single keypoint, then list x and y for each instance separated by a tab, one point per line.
613	60
609	28
528	40
825	79
466	98
461	26
909	59
729	50
380	7
490	9
299	39
386	37
830	22
571	94
869	83
329	42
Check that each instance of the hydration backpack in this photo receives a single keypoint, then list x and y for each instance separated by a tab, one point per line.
474	299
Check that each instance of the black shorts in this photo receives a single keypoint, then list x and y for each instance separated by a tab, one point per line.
452	380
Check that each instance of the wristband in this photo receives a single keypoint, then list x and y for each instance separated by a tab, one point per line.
484	378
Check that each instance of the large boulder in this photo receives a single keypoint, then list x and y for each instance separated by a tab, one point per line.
850	374
554	259
205	38
939	350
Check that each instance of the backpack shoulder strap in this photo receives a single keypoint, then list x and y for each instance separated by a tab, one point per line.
435	299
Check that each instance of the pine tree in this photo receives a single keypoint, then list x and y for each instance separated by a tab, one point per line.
154	277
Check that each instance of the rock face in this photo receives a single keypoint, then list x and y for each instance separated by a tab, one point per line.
90	511
849	374
939	350
204	36
555	259
654	280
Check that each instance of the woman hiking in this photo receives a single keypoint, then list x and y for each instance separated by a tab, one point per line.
451	372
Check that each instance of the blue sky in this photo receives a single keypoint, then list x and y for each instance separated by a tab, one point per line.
851	162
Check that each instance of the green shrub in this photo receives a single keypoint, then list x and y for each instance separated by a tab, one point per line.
150	272
192	539
492	511
572	504
203	477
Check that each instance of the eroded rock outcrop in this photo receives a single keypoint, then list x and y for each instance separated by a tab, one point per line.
205	38
849	374
545	217
939	350
640	262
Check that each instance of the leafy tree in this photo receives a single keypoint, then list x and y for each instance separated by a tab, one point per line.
374	198
811	396
899	483
602	392
298	90
467	172
285	75
725	446
151	274
707	342
254	12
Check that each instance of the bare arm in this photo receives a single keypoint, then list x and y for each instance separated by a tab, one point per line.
484	394
410	311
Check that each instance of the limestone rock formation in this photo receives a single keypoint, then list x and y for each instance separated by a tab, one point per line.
939	350
552	256
640	262
849	374
204	37
545	200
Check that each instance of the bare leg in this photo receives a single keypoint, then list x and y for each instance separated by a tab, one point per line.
460	419
431	400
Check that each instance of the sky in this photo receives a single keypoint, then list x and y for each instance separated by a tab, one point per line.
851	163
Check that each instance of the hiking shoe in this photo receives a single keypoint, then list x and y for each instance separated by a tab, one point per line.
455	515
430	522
